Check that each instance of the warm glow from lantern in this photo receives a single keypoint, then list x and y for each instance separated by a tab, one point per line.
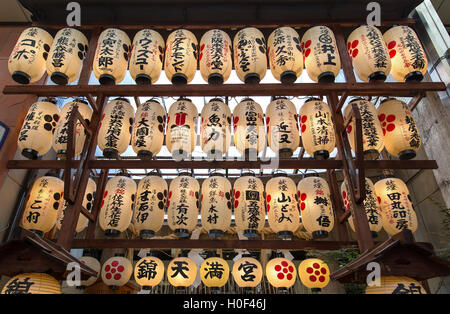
314	273
214	272
396	285
32	283
116	271
181	56
281	272
149	271
247	272
215	56
181	272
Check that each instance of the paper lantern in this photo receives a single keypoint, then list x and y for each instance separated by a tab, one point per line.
111	56
369	54
250	60
285	54
396	285
181	272
116	209
88	203
401	134
314	273
282	207
216	205
281	272
282	127
371	206
116	271
181	56
409	61
183	205
151	197
94	264
316	124
26	63
372	136
35	136
181	132
43	203
215	128
115	127
397	210
148	129
215	56
147	57
214	272
248	126
247	272
322	60
32	283
316	208
249	208
148	272
60	137
66	56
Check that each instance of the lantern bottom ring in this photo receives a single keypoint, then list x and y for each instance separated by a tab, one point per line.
30	153
62	154
288	77
59	78
114	287
215	79
407	154
21	77
321	154
326	77
316	290
181	289
143	79
252	78
145	155
250	154
250	233
182	233
414	77
215	233
110	153
214	154
179	154
146	234
106	79
377	76
285	153
112	233
147	287
285	235
374	234
371	154
320	234
179	79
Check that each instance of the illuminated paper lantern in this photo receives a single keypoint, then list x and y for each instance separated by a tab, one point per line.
396	285
250	60
249	208
247	272
214	272
26	63
36	134
88	203
248	126
314	273
32	283
282	206
66	56
322	60
116	209
372	133
147	57
148	129
281	272
116	271
316	209
401	134
60	137
371	206
181	132
151	198
215	128
43	203
181	56
95	265
215	56
369	54
285	54
183	205
148	272
409	61
316	124
397	210
115	127
216	198
111	56
181	272
282	127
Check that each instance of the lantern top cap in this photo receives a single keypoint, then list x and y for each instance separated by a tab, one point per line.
247	172
52	100
119	255
185	172
357	98
279	173
81	100
216	99
184	98
123	99
280	97
152	100
247	99
386	99
312	99
52	173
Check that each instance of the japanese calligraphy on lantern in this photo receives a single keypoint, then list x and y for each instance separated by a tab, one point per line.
215	56
149	271
181	56
181	272
247	272
32	283
396	285
214	272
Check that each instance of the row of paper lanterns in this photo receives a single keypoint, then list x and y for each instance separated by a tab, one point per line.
214	272
373	55
387	205
391	126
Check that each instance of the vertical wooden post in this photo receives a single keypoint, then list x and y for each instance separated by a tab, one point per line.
337	205
103	178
